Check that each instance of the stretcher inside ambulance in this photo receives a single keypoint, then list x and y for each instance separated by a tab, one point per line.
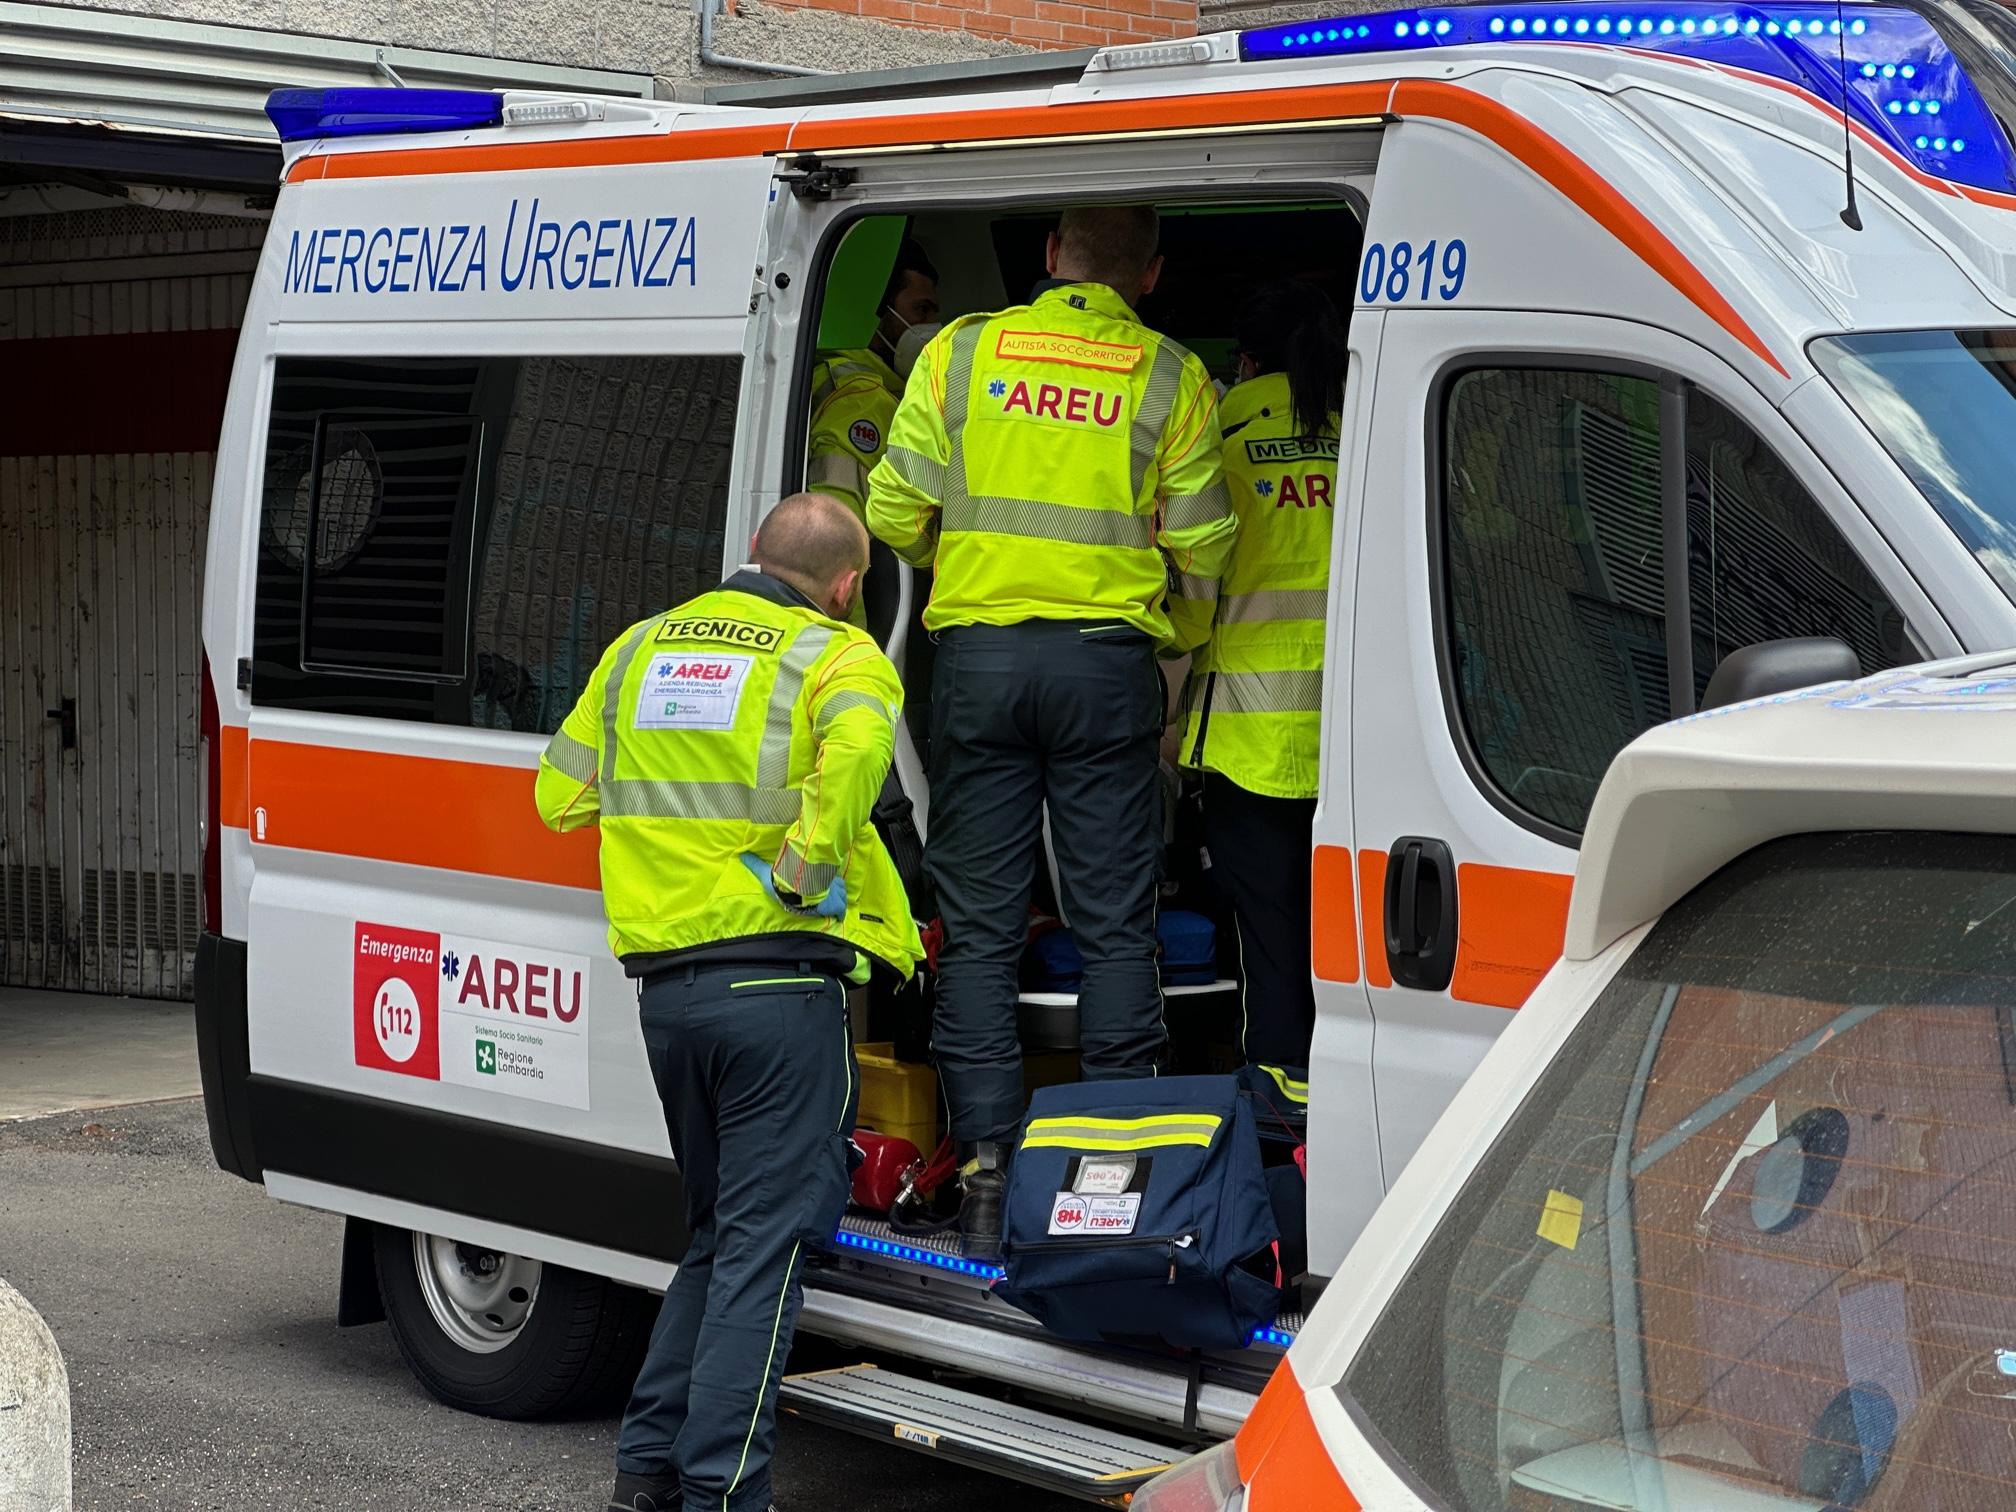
1631	403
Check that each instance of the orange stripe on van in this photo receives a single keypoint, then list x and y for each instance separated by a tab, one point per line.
693	145
1282	1458
1333	917
1372	888
1586	188
1510	925
233	778
462	816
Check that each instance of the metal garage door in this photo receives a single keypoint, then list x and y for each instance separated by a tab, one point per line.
116	333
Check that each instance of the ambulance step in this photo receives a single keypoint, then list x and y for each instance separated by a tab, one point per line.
1003	1438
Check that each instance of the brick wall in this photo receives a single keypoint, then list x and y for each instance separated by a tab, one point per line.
1033	23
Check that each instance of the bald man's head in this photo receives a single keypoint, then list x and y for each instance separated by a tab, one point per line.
817	545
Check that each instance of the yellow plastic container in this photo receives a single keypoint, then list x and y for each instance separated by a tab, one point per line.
897	1098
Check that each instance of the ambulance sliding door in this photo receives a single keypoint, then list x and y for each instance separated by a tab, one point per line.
501	429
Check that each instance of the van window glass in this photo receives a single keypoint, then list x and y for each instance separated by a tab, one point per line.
1748	1241
1556	574
1763	561
1942	403
1556	571
457	539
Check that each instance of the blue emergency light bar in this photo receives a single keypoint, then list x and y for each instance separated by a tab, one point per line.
301	115
1902	80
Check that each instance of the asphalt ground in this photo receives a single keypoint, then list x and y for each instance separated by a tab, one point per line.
197	1316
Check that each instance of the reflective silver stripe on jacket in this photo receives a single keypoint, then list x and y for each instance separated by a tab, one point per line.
839	470
651	798
1047	522
1188	511
844	700
612	695
1267	692
570	757
1269	605
773	756
1190	587
918	470
801	876
1165	376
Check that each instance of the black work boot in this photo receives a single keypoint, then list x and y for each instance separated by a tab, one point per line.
644	1493
983	1177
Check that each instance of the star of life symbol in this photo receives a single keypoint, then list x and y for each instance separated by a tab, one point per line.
1264	487
451	964
998	387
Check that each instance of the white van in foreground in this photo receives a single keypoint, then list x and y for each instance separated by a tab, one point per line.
1629	396
1723	1221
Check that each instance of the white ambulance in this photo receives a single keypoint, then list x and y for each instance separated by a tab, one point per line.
1656	361
1722	1222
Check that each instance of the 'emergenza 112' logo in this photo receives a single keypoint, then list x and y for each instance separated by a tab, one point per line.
478	1013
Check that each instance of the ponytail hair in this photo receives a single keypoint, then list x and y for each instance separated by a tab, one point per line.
1293	328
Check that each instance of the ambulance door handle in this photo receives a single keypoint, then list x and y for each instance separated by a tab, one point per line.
1420	913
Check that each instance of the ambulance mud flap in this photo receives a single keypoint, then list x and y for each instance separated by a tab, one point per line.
1043	1449
224	1053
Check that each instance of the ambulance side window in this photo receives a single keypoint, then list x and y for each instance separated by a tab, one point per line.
1556	577
1555	574
455	540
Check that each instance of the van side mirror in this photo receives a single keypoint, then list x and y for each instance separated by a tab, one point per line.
1780	666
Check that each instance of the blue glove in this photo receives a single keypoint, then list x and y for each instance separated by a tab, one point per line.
832	906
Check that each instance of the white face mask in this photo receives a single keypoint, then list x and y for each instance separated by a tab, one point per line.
912	342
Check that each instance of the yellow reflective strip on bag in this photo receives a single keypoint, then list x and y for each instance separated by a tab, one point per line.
1152	1120
1093	1133
1294	1091
1196	1137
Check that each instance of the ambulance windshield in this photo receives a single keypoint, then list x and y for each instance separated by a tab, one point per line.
1943	403
1747	1246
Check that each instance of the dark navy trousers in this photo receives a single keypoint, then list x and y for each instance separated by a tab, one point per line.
1069	715
755	1067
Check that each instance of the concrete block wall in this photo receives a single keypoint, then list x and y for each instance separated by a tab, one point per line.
1037	23
647	36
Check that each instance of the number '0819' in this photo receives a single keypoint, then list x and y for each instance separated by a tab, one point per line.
1391	275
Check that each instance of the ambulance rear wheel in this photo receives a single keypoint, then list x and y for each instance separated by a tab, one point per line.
507	1336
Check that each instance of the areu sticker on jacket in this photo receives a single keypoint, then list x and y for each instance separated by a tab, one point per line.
688	692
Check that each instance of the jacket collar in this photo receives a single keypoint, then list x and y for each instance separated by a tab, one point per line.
1096	297
773	590
1266	395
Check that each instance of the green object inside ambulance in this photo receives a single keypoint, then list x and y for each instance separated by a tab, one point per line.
854	284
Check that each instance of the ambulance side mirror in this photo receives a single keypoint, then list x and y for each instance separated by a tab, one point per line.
1780	666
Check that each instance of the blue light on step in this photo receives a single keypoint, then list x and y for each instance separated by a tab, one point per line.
910	1254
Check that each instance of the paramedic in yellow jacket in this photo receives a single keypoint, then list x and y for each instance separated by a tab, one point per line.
1255	694
731	751
1057	466
854	391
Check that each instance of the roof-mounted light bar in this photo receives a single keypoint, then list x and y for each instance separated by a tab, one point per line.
1902	82
1220	47
301	115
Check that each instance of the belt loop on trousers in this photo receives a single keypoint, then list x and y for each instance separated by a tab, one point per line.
692	973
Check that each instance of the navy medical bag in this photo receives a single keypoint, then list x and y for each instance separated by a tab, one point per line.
1138	1210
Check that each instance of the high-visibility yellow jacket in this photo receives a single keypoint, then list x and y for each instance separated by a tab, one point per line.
742	721
854	396
1059	461
1255	694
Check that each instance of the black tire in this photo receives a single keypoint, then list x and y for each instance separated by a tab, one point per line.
577	1350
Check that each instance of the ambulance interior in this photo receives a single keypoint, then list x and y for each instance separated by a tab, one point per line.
1214	255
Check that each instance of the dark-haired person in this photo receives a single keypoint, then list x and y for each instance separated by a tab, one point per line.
1255	694
730	752
1057	465
854	391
